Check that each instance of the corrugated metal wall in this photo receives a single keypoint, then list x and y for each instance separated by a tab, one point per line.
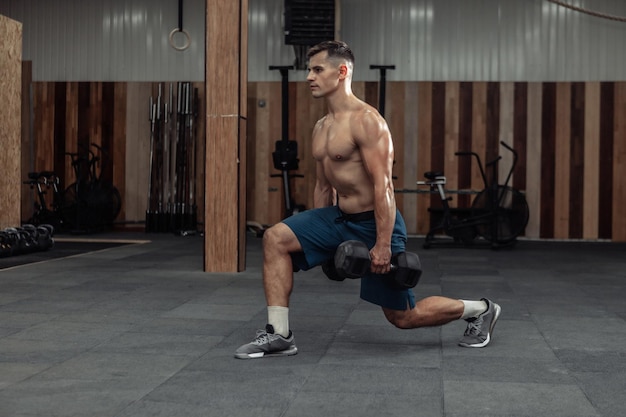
461	40
110	40
427	40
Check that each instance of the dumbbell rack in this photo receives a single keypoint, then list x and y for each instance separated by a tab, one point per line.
26	239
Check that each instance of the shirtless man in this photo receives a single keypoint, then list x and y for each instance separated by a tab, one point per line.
354	199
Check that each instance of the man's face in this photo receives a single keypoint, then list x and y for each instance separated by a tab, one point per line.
323	75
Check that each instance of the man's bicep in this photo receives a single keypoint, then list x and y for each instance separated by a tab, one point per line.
374	134
377	152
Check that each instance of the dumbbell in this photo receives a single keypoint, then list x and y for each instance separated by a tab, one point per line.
352	260
20	240
6	248
45	240
31	235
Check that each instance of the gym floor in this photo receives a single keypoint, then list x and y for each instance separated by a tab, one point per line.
140	330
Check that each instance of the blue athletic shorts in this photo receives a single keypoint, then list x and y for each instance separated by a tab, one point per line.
321	230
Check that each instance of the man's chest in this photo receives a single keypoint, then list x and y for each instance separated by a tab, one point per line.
334	141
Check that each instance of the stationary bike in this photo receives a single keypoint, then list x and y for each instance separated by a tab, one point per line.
46	212
499	213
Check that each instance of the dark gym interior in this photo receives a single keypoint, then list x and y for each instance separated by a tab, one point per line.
161	138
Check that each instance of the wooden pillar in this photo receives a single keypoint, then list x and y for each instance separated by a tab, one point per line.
10	121
28	196
225	162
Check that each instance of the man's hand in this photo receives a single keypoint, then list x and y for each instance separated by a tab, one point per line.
381	259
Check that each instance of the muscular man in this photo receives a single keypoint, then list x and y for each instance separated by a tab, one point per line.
354	199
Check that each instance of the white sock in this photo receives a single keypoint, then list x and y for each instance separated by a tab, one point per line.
278	317
473	308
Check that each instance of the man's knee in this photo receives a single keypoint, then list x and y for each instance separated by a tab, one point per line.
270	236
274	235
280	238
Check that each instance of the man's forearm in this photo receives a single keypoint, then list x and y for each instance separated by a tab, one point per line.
385	214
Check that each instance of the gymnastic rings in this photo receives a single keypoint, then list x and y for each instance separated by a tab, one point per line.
185	44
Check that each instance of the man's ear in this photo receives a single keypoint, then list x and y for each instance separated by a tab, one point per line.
343	71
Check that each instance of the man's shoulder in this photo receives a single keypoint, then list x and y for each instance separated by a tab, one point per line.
367	116
364	110
368	124
320	123
321	119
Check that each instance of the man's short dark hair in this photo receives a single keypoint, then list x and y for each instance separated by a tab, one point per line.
335	49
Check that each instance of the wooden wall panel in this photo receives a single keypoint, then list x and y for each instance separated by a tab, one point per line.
570	138
70	116
533	157
107	114
276	204
10	122
520	133
479	132
28	196
83	116
424	118
137	163
577	160
96	107
394	108
507	91
606	180
262	139
451	133
117	145
44	121
252	129
591	162
619	164
301	127
200	153
561	161
466	126
548	134
68	142
492	128
437	132
410	154
259	151
435	138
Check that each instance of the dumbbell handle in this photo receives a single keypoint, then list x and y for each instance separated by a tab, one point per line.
330	271
392	267
352	260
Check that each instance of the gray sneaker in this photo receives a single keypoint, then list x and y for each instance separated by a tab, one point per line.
479	329
267	343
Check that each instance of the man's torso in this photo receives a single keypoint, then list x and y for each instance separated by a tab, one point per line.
336	148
